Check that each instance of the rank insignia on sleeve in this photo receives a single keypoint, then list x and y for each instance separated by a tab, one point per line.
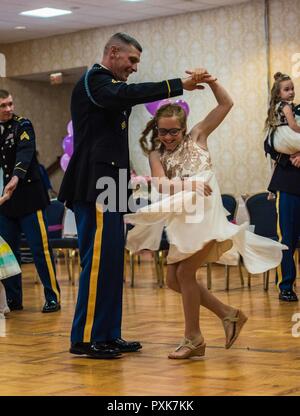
24	136
123	125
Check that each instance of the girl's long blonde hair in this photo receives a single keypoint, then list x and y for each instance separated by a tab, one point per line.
167	110
271	121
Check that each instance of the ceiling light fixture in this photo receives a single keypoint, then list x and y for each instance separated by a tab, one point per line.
20	27
45	12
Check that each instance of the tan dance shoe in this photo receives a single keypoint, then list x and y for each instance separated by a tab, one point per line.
238	320
188	349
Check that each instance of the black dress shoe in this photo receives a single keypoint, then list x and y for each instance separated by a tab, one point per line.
98	350
288	296
13	306
125	346
51	306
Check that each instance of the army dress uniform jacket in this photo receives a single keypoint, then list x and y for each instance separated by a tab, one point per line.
286	177
100	108
17	158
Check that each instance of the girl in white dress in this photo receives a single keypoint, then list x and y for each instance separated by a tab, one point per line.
282	119
8	267
200	235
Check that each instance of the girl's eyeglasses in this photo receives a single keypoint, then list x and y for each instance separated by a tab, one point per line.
172	132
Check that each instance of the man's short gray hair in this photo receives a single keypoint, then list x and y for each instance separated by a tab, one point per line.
121	37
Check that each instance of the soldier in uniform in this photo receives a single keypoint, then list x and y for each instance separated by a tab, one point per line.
285	183
101	104
24	209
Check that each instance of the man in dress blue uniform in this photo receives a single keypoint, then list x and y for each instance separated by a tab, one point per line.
100	106
24	208
285	183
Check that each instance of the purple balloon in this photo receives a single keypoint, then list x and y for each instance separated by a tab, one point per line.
64	161
68	145
163	102
70	128
184	105
155	105
152	107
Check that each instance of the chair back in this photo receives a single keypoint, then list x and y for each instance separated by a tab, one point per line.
140	203
55	217
231	204
262	213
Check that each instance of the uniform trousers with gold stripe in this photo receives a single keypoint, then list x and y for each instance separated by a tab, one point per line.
98	312
288	231
34	226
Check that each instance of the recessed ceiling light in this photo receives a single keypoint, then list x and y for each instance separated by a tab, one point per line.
20	27
132	0
45	12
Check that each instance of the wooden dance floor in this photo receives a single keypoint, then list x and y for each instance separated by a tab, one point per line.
265	360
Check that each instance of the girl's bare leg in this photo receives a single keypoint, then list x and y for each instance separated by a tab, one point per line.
192	264
181	277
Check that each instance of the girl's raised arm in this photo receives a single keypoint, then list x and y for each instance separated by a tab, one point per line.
214	118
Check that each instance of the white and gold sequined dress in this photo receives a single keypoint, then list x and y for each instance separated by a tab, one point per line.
189	226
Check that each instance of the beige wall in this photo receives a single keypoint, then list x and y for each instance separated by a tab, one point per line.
285	39
48	109
229	41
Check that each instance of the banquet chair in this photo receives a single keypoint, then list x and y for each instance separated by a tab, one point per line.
231	205
158	255
55	214
262	214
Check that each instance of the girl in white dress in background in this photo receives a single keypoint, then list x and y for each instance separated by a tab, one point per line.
203	235
282	119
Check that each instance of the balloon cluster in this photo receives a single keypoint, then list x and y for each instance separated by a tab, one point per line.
155	105
68	141
68	146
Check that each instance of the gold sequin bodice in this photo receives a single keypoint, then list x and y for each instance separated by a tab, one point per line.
186	160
